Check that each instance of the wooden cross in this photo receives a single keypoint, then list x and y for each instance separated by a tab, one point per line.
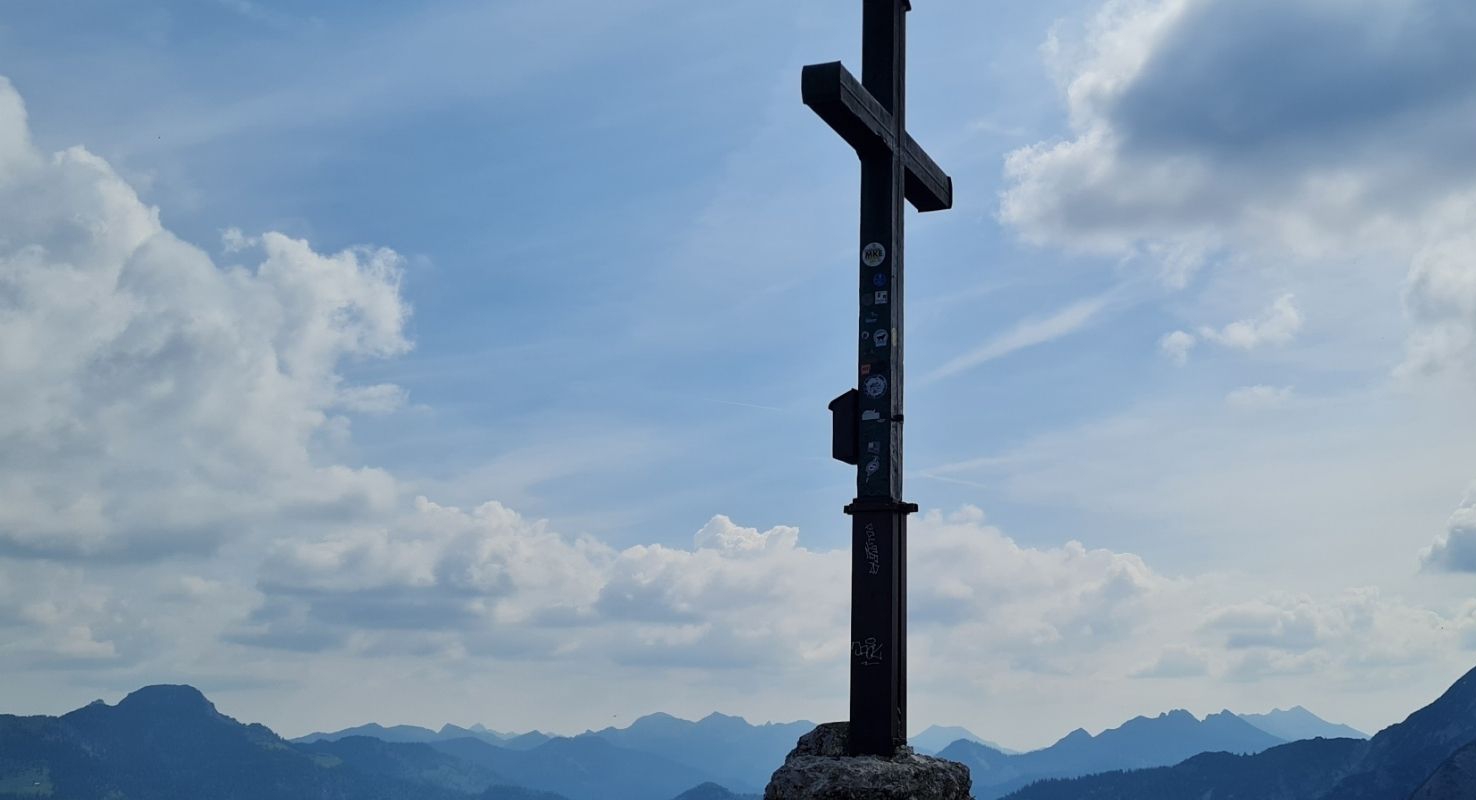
870	116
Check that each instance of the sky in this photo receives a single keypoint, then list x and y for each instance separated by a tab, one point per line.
468	361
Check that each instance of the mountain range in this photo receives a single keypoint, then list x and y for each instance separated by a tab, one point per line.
937	737
413	733
1296	723
726	750
1429	754
1140	742
170	743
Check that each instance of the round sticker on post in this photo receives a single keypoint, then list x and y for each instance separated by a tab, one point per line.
875	386
872	255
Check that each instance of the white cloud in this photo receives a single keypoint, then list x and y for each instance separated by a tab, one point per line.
1277	325
1356	628
1187	142
381	398
1455	550
1440	298
1028	333
490	583
132	368
1177	345
232	240
730	600
1308	138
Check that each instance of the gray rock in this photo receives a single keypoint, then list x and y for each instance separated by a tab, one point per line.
819	769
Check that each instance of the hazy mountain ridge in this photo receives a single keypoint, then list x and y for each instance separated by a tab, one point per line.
1392	765
417	734
1140	742
712	791
727	749
1293	771
414	760
1295	723
584	767
937	737
740	755
169	743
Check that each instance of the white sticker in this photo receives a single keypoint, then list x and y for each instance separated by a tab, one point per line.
880	338
875	386
872	255
881	298
871	416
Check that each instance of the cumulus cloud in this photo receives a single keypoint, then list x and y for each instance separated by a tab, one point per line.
133	367
1277	325
53	618
1287	131
488	582
1440	297
1194	117
1455	551
731	599
1177	345
1286	632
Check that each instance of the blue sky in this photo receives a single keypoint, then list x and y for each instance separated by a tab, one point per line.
1189	388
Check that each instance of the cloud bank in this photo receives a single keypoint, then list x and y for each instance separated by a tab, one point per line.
1311	135
155	401
1287	131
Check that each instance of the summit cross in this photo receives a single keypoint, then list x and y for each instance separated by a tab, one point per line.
870	115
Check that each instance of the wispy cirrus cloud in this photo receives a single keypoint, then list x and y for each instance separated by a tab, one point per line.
1025	334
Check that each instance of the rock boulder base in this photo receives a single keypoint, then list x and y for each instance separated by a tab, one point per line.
819	769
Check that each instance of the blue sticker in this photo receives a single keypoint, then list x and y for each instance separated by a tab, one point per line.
875	386
879	280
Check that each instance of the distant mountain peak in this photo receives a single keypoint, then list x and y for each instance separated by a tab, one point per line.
717	716
177	697
935	738
1078	735
1297	723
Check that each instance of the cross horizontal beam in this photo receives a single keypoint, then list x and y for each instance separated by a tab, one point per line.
845	105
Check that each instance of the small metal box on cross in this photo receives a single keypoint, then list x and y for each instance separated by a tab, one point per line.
870	115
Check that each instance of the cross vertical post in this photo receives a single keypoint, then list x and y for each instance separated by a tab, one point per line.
871	116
